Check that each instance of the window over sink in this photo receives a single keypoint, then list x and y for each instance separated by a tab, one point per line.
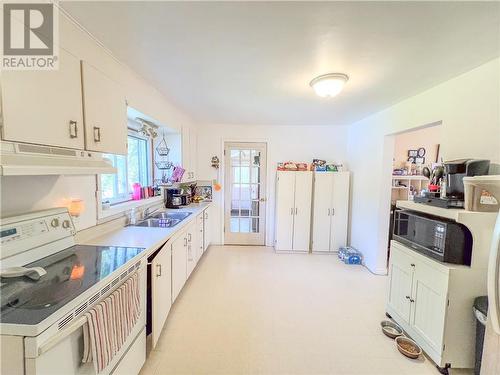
135	167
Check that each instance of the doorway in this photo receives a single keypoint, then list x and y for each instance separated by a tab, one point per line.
413	153
245	193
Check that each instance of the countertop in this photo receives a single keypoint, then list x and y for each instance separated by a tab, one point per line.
149	238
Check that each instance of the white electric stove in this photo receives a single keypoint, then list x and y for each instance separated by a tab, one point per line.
48	283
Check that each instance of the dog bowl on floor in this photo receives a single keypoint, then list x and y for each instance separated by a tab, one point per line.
391	329
408	347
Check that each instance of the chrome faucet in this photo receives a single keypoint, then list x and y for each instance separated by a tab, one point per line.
148	212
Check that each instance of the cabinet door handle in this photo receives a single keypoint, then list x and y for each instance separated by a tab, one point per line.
158	270
296	210
413	264
185	241
189	237
97	134
412	300
328	212
291	211
73	129
333	211
407	297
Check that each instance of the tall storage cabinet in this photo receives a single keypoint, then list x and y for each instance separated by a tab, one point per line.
330	211
293	210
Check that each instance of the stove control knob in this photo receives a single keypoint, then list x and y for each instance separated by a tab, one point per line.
66	224
54	223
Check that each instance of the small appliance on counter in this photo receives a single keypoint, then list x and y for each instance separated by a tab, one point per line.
451	194
185	199
172	197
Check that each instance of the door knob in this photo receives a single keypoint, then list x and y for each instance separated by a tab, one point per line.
262	199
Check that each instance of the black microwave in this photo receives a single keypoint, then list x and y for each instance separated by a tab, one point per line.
438	238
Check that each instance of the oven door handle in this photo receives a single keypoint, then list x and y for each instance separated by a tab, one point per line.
59	336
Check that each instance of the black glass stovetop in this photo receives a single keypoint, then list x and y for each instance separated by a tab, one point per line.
69	273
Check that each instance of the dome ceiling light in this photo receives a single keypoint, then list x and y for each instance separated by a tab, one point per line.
329	85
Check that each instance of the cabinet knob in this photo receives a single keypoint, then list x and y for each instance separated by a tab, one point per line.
412	300
407	297
413	264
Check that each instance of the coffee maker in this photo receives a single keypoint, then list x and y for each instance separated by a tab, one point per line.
452	187
172	197
456	170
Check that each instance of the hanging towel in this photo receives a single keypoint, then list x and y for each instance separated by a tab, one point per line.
110	322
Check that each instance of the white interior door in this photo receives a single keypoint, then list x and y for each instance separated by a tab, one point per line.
285	210
339	210
302	214
323	185
245	193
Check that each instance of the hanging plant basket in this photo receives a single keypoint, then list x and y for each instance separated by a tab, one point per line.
164	164
162	148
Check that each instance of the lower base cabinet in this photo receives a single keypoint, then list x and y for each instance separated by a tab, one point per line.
179	264
432	302
161	289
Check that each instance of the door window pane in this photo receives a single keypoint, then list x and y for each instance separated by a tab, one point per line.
255	175
245	225
235	157
255	208
245	157
254	190
234	225
245	192
236	174
235	208
245	175
255	225
245	207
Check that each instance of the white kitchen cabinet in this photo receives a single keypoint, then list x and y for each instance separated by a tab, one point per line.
207	239
330	211
191	247
199	235
44	107
189	153
179	263
432	302
161	289
293	210
105	112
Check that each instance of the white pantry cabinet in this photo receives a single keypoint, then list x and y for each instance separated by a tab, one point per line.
432	301
44	107
105	112
293	210
161	289
330	211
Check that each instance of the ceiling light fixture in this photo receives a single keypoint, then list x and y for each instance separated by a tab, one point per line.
329	85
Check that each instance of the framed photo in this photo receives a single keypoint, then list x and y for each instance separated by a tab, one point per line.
412	154
421	152
419	160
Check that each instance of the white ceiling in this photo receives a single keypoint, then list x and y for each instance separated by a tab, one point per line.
251	62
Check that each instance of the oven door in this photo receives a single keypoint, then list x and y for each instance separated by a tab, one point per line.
62	353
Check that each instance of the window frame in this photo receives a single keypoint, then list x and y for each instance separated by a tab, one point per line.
127	197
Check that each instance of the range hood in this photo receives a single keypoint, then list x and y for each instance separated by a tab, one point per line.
19	159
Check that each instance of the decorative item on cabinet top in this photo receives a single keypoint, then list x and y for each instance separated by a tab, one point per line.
20	159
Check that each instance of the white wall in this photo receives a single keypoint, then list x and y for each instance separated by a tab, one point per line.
22	194
296	143
428	138
469	108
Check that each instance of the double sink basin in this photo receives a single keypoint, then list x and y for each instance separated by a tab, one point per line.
163	219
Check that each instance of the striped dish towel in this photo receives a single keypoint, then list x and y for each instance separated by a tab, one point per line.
110	322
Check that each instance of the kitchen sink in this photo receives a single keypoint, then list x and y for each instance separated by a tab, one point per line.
171	215
158	223
165	219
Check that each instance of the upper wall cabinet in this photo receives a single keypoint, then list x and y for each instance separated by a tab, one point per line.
189	153
105	112
44	107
